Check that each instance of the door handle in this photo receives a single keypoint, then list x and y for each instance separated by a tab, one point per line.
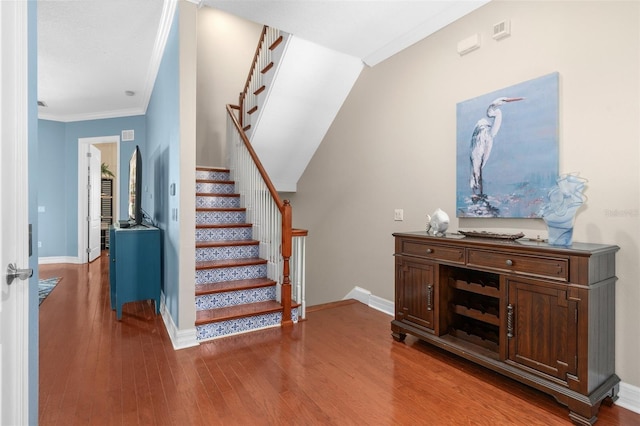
13	273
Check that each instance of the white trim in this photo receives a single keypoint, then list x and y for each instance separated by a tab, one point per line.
375	302
629	397
82	196
58	259
168	11
180	339
131	112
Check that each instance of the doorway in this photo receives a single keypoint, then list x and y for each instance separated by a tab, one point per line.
110	147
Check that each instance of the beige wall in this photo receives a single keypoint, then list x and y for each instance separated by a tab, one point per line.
393	146
187	198
226	46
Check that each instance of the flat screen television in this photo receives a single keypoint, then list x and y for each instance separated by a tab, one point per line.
135	187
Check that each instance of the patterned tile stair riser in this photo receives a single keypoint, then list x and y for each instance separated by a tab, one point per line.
241	325
234	273
235	298
222	234
226	252
212	175
218	217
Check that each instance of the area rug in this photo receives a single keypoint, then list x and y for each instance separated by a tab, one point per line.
45	287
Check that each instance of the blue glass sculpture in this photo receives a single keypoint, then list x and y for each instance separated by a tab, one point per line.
564	201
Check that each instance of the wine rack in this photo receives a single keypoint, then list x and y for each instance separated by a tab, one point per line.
474	306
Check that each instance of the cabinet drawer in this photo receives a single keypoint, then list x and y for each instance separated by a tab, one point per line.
433	251
554	268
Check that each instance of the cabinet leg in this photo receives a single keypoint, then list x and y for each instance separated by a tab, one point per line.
583	414
397	333
577	419
398	337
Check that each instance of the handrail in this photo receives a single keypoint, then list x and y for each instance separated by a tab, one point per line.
285	212
256	58
263	61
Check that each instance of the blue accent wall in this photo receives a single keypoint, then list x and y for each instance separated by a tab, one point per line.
58	176
51	167
163	162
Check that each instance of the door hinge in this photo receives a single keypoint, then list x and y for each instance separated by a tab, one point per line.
88	250
88	155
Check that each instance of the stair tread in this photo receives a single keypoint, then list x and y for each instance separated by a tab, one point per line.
223	225
226	263
212	169
222	287
234	312
276	43
213	194
220	209
226	243
224	182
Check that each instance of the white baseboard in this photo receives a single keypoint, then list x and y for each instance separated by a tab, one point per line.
58	259
628	395
375	302
180	339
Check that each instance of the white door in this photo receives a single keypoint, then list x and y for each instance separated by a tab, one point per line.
94	204
14	233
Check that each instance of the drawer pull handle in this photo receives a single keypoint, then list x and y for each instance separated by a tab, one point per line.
429	298
509	321
429	251
509	262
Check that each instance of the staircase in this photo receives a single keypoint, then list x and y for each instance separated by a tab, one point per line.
233	293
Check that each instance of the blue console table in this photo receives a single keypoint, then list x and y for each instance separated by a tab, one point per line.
134	265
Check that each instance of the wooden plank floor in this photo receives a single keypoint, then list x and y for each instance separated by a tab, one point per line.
339	367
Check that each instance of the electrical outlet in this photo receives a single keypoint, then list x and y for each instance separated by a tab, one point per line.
398	214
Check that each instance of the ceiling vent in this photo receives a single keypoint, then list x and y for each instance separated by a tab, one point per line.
127	135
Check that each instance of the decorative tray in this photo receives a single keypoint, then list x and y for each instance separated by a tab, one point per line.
485	234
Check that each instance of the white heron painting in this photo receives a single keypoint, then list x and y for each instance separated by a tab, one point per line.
507	150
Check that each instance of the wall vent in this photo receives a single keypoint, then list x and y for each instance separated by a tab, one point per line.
127	135
502	29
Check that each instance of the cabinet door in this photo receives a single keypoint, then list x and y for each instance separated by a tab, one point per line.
542	327
415	292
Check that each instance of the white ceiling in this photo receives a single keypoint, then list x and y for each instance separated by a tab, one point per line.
91	51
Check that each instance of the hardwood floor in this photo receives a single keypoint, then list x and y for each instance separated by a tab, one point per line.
339	367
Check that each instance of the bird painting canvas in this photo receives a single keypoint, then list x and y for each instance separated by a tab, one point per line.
507	150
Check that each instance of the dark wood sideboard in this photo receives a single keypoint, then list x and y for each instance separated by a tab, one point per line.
539	314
